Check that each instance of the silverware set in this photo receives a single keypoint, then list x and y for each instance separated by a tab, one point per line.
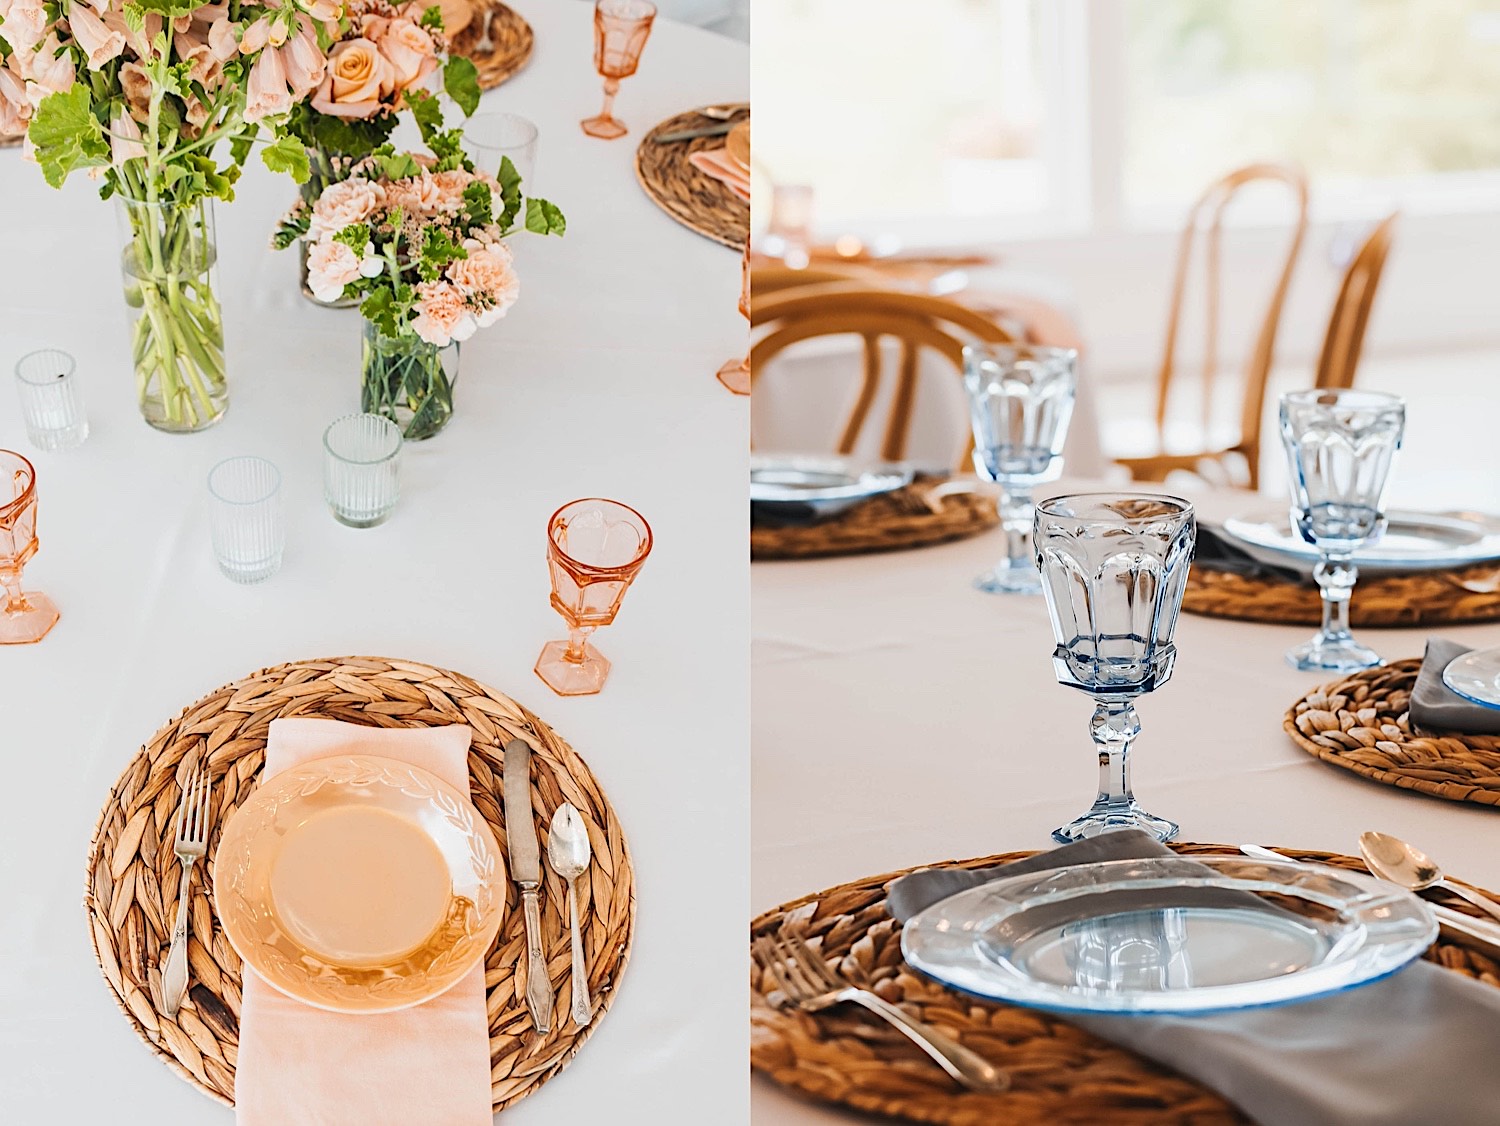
569	854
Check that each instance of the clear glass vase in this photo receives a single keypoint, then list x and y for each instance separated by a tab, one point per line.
321	173
168	260
408	381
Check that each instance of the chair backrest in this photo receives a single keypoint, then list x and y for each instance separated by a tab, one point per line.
777	278
915	320
1351	309
1206	217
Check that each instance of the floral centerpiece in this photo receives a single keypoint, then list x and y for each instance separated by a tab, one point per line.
417	240
139	94
379	52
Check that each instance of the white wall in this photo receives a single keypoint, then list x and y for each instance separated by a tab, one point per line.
1440	291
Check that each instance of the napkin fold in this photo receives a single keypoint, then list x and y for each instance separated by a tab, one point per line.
1437	707
1415	1048
428	1065
716	163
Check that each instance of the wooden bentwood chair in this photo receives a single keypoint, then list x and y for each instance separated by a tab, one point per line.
1351	309
844	308
1207	216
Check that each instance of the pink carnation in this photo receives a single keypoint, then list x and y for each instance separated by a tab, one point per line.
330	267
349	201
488	280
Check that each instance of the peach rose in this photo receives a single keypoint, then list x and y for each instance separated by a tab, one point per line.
330	267
99	43
358	77
349	201
442	314
266	94
410	51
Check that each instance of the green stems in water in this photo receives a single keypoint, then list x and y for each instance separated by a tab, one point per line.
177	344
408	381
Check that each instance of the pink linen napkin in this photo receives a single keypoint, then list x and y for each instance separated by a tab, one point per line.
716	163
424	1066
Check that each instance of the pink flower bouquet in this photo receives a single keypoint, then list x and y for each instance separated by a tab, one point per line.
418	242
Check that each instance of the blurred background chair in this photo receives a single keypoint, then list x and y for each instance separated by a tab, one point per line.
1240	457
1345	338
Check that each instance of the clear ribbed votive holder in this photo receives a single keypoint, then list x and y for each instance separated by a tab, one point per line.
362	469
246	524
50	401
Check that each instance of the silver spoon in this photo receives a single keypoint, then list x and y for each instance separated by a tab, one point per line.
569	853
1393	859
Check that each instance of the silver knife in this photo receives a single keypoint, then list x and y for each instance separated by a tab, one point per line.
718	130
526	871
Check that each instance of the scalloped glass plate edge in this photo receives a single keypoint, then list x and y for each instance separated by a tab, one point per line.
947	942
1475	676
243	915
1267	535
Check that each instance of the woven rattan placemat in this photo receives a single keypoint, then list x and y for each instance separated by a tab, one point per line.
1416	599
695	199
1059	1073
512	38
889	522
131	895
1361	724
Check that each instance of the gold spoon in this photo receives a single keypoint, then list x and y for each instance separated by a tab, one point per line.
1393	859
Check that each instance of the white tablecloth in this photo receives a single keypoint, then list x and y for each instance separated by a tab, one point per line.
599	382
902	717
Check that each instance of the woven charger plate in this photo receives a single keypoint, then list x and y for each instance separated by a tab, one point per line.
695	199
889	522
1059	1073
1361	724
512	38
131	896
1417	599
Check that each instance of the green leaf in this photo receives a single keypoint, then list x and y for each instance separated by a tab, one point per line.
397	166
433	18
293	226
479	204
288	155
461	83
544	218
340	136
356	237
135	18
426	112
380	309
66	135
168	8
239	148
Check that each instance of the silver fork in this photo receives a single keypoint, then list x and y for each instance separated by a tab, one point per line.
807	983
191	843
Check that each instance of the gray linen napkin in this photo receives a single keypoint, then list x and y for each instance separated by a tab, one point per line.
1416	1049
1215	551
1436	707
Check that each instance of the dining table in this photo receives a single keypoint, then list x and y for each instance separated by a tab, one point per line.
903	718
599	382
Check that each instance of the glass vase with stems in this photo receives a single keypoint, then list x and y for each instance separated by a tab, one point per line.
408	381
168	261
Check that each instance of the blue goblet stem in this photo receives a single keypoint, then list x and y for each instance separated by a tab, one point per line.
1017	511
1335	575
1114	728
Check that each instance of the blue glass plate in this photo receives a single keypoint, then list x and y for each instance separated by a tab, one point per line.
1413	541
1169	935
